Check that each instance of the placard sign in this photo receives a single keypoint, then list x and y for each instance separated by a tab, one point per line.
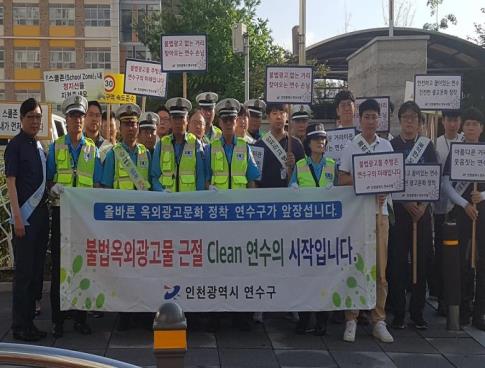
145	78
467	162
384	117
258	154
10	121
378	173
422	183
289	84
438	92
337	139
59	85
113	90
183	53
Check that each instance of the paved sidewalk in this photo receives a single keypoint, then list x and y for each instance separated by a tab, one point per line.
273	344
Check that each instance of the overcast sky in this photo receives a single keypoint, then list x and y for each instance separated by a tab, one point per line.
328	18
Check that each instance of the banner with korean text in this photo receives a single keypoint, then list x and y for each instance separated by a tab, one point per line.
260	249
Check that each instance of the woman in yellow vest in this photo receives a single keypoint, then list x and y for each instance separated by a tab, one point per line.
315	170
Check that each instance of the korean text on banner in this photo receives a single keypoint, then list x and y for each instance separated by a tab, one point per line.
10	121
383	124
336	141
218	251
378	173
422	183
59	85
183	53
289	84
467	162
438	92
113	90
145	78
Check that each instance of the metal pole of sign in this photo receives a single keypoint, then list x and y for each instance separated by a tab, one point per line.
391	18
184	84
474	236
108	121
246	66
143	103
302	31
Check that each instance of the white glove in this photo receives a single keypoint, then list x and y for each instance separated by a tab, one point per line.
294	186
57	189
213	188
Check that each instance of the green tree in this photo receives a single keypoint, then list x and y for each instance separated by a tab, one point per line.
480	31
225	73
442	23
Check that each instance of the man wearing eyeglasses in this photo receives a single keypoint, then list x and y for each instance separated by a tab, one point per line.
25	166
92	123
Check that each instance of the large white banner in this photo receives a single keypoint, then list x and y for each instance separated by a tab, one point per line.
261	249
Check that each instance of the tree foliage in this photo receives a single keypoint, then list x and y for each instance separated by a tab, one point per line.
442	23
225	69
480	31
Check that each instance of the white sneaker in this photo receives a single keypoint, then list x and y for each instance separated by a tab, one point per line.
258	317
380	332
350	329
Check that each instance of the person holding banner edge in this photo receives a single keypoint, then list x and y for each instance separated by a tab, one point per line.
25	162
315	170
73	161
410	217
369	142
469	207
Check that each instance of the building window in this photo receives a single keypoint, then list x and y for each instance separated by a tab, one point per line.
2	58
97	15
62	58
26	15
21	96
1	15
27	58
61	15
132	23
97	58
2	95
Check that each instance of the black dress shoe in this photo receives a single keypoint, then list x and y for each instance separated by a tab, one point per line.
28	335
479	321
320	330
58	330
83	328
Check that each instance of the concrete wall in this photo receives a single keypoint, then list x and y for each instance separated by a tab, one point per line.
382	67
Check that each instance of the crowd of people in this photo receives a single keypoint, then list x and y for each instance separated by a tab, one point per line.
179	149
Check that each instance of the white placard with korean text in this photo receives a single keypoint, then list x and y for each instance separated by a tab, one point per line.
337	139
145	78
378	173
10	120
289	84
273	249
183	53
59	85
438	92
258	154
467	162
422	183
384	117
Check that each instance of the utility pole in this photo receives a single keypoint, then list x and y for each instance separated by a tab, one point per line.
246	65
391	18
302	31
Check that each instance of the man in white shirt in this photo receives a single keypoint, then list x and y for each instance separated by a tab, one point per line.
451	123
369	142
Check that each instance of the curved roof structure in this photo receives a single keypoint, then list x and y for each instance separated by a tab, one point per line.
446	53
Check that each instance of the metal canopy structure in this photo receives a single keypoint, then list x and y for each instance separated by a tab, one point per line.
446	53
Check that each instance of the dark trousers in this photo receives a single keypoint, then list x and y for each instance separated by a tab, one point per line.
468	281
437	271
321	318
400	252
57	314
29	258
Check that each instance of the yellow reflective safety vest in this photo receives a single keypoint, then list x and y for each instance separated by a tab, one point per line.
80	176
179	177
305	177
225	175
216	134
122	178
